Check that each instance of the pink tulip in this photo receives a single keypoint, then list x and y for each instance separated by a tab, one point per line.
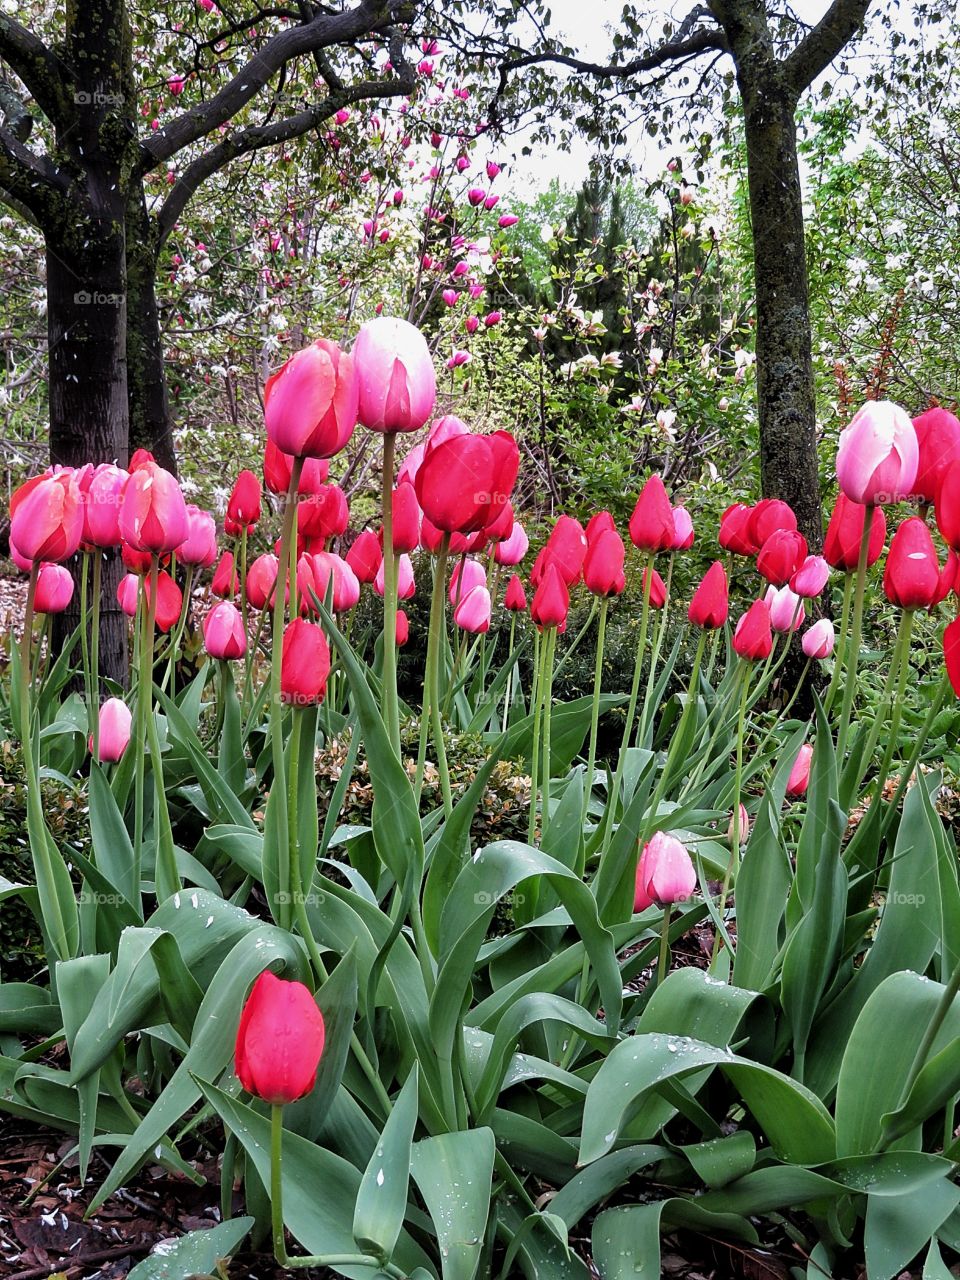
467	575
683	528
406	586
800	773
818	640
743	826
200	545
102	496
311	402
473	612
113	737
811	577
398	384
878	456
786	609
665	873
512	549
46	517
346	585
153	516
54	589
223	633
262	581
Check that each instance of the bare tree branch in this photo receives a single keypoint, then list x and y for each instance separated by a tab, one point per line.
37	66
323	31
819	48
32	180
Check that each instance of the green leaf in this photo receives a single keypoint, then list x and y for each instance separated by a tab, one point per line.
626	1242
112	846
454	1172
382	1198
600	1179
898	1227
195	1254
569	724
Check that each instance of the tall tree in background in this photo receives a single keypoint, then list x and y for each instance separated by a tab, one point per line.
776	58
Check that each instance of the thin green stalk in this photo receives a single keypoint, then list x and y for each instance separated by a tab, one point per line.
734	860
594	713
892	700
678	735
282	912
95	650
663	962
840	652
547	710
176	635
434	638
906	773
509	689
92	715
855	635
538	645
276	1184
574	644
391	705
647	710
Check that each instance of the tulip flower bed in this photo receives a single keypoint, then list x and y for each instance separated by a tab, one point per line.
417	1057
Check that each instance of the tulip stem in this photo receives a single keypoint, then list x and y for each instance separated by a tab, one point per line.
538	645
281	906
173	645
547	677
509	689
906	773
391	705
840	655
677	737
95	651
85	643
734	859
647	710
594	716
856	631
437	626
614	795
891	701
663	962
276	1183
574	644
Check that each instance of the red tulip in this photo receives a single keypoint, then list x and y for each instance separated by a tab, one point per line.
223	633
226	580
140	458
310	404
279	1039
398	384
277	467
365	556
781	556
169	598
752	636
709	606
841	547
597	523
323	514
911	576
243	507
463	482
102	495
948	506
406	518
138	561
603	564
46	517
200	545
658	590
938	439
473	612
262	581
113	737
665	873
551	600
767	517
403	628
565	549
305	664
153	515
54	589
651	525
799	778
515	598
948	577
951	653
735	530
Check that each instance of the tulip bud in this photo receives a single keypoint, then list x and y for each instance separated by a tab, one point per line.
651	525
54	589
683	529
200	545
551	600
811	577
709	605
511	550
279	1039
603	564
223	633
743	826
102	496
515	598
878	455
277	466
153	516
463	481
819	639
841	546
169	598
938	443
262	581
799	778
665	873
113	736
781	556
406	518
398	385
735	533
658	589
948	506
767	517
365	556
473	612
243	507
305	664
786	609
911	576
226	580
752	636
406	586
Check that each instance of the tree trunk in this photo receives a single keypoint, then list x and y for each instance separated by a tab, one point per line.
151	426
785	387
86	328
